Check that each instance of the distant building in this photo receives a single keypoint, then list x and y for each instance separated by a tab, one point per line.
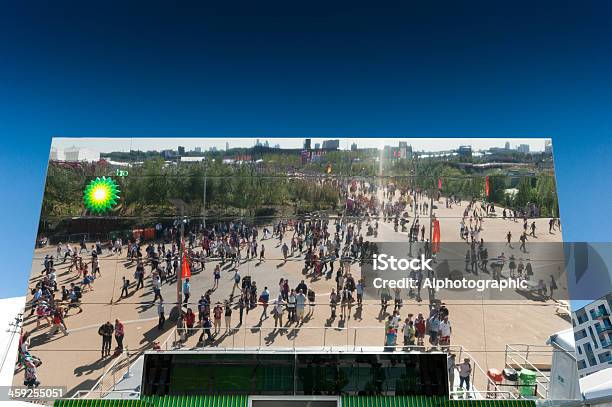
212	149
507	145
523	148
168	154
548	146
307	144
197	149
405	151
266	144
277	146
465	151
354	147
80	154
56	155
593	335
317	146
391	153
331	144
181	150
227	146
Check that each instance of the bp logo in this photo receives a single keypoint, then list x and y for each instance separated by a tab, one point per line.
101	194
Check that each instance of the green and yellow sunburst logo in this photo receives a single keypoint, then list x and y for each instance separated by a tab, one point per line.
101	194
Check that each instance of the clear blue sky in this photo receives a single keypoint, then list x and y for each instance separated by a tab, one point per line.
319	69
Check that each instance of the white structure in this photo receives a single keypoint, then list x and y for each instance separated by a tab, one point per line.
9	341
563	373
593	335
192	159
80	154
56	155
597	388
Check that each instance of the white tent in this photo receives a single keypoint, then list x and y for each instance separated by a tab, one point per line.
597	388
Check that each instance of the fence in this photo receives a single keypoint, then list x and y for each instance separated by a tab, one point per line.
117	371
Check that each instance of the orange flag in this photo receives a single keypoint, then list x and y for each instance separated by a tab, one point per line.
185	270
435	247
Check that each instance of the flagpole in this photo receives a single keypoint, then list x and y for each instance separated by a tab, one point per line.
179	272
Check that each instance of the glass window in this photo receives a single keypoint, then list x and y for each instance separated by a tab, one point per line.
301	374
580	334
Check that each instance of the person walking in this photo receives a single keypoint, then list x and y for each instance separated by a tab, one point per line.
139	275
216	276
186	291
264	299
552	286
58	323
206	331
523	239
237	279
333	303
124	288
241	305
161	316
157	288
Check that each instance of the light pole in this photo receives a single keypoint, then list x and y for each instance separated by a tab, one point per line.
179	276
204	197
431	201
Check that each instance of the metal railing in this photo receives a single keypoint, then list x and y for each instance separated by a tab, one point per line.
349	342
115	370
122	394
483	394
522	351
100	382
346	338
337	337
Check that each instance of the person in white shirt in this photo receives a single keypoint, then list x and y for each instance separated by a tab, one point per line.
444	332
278	311
465	370
395	320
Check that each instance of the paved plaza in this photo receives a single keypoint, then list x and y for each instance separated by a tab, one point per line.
483	327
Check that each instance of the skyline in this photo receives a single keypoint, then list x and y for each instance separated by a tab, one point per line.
102	144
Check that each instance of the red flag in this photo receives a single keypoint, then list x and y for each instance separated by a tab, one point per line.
439	183
487	186
185	270
435	239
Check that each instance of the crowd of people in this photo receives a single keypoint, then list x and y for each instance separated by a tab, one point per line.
326	247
